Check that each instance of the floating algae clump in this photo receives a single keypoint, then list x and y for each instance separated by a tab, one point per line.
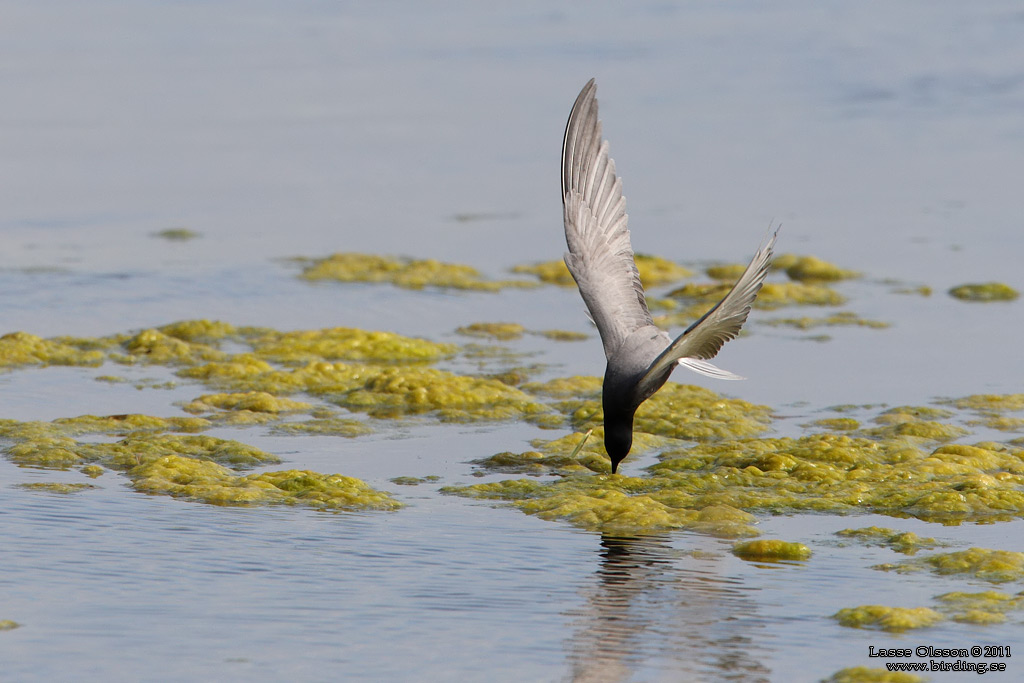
394	392
177	234
836	473
46	452
209	482
563	335
730	272
21	348
205	331
988	291
811	268
884	618
408	273
501	331
535	462
414	481
988	607
990	403
155	347
654	271
324	426
254	401
995	566
381	391
608	504
571	454
839	424
764	550
772	294
343	343
840	319
614	504
906	542
113	425
63	452
56	487
779	294
680	411
864	674
577	386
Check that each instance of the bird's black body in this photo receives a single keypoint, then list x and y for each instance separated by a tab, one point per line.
640	356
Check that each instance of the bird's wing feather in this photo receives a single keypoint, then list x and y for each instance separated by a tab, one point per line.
703	339
600	256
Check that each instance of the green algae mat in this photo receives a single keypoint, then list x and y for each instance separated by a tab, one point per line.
711	464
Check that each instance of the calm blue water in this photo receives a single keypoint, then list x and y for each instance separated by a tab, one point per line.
885	138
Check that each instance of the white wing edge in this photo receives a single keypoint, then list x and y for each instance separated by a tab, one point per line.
703	367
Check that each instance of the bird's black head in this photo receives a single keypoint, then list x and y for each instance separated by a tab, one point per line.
618	439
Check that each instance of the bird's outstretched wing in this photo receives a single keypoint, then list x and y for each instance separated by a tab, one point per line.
703	339
600	257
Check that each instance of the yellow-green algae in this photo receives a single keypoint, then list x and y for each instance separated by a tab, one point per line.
906	542
613	503
200	330
571	454
679	411
189	466
995	566
730	272
986	291
654	271
155	347
915	422
343	343
404	391
381	391
987	607
896	469
209	482
864	674
254	401
177	234
92	471
563	335
989	403
837	473
414	481
324	426
63	452
408	273
22	348
893	619
503	331
840	319
1000	422
839	424
56	487
772	295
113	425
8	625
769	550
811	268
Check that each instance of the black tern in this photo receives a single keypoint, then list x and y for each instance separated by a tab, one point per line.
640	355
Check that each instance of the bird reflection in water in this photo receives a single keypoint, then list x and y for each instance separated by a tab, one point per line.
649	617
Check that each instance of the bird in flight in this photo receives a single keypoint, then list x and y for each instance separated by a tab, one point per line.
640	355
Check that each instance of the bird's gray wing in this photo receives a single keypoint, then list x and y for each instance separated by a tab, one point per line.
704	338
600	257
